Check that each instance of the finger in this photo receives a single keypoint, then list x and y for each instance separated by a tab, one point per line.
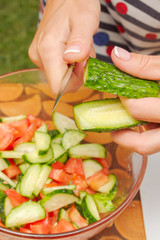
80	41
146	109
142	66
145	143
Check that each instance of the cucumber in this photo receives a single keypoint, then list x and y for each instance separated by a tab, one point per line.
25	147
60	153
90	167
63	214
43	128
105	77
42	178
90	210
7	179
12	119
51	189
18	161
11	154
42	142
29	180
53	133
72	137
3	186
103	204
63	122
110	186
2	201
33	157
4	163
57	138
23	167
7	206
87	150
103	116
27	212
58	199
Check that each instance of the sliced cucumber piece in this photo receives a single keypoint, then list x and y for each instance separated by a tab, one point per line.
63	122
72	137
51	189
25	147
3	186
23	167
42	178
104	204
18	161
11	154
7	206
53	133
58	199
33	157
110	185
88	150
28	181
7	179
2	201
103	116
57	139
106	77
90	210
63	214
90	167
43	128
27	212
4	163
60	153
42	142
12	119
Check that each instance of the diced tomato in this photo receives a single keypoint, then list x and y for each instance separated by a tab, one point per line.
98	179
60	176
20	127
39	122
6	136
25	230
63	226
76	217
1	224
103	162
27	136
42	226
15	197
53	217
58	165
80	183
13	170
52	184
75	165
90	191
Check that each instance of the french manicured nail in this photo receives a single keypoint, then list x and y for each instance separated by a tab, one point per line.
73	49
122	53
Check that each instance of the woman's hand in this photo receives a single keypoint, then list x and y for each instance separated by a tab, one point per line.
146	109
65	35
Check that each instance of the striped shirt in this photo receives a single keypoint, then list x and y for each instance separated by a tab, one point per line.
131	24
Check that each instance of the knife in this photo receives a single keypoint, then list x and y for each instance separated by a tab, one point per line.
63	85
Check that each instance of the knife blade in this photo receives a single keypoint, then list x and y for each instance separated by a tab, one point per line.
63	85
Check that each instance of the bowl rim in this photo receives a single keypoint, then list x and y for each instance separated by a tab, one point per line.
104	220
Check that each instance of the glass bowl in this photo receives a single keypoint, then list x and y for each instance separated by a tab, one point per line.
27	92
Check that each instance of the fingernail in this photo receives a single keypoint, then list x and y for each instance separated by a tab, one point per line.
73	49
122	53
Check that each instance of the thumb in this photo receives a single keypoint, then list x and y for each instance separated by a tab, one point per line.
142	66
80	41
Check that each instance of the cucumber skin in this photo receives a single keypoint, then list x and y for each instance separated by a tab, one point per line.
105	77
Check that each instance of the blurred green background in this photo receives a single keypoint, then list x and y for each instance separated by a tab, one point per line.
18	24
